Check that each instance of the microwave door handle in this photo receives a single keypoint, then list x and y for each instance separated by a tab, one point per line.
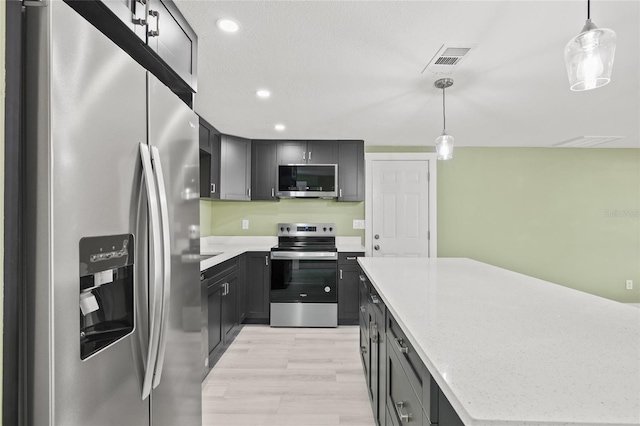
166	263
155	272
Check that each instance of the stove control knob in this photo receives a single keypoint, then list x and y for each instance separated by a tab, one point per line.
324	229
282	229
330	229
288	229
327	289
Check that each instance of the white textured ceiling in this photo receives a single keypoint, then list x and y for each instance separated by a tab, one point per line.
352	70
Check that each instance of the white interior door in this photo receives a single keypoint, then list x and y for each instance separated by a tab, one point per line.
401	214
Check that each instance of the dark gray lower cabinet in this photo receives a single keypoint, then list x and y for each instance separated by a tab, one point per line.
222	283
348	293
373	346
400	387
258	277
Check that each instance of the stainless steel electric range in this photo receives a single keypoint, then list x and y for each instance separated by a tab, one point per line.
304	266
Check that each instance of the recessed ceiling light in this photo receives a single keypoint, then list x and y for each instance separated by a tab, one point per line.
262	93
279	127
227	25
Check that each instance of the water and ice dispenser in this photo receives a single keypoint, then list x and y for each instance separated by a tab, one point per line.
106	291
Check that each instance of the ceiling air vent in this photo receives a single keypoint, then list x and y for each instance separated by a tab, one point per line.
448	58
587	141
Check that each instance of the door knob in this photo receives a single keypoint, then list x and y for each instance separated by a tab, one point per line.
377	237
376	247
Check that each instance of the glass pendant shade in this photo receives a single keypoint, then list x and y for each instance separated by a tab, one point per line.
589	57
444	147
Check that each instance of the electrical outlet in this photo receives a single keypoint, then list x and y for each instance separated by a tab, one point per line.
245	224
629	284
358	224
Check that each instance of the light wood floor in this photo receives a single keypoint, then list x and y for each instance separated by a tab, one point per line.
288	377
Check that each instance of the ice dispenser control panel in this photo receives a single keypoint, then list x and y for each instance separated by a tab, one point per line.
106	291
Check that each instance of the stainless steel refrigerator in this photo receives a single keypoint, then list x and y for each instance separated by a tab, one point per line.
112	213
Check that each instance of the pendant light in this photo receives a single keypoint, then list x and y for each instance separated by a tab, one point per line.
444	142
589	56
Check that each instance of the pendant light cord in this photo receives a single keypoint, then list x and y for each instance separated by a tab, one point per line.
588	9
444	117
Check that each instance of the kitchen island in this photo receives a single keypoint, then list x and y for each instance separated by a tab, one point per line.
509	349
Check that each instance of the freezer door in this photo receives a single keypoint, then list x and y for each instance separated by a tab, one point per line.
173	139
86	103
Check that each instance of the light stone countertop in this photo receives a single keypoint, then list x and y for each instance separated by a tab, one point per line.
229	247
509	349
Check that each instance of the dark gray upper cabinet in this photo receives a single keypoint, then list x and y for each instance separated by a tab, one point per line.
209	160
351	171
263	170
235	168
170	36
322	152
154	33
307	152
292	152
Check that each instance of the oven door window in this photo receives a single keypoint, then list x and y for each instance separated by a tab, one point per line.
311	281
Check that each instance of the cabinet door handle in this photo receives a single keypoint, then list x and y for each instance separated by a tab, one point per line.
213	188
363	349
266	261
273	193
362	278
375	299
201	277
373	331
351	258
340	273
403	349
362	308
340	193
155	14
309	155
249	192
142	21
404	417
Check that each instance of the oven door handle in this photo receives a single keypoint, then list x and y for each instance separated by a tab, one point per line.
307	255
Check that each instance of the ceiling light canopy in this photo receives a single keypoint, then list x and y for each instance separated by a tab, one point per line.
589	56
444	142
227	25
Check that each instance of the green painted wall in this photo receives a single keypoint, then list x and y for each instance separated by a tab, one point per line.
225	217
570	216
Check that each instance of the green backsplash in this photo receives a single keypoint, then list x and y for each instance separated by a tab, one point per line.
569	216
225	217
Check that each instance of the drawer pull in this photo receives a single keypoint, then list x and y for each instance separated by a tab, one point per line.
361	307
375	299
351	258
202	279
363	349
406	418
362	278
403	349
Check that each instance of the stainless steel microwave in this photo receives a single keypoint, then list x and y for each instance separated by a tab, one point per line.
308	181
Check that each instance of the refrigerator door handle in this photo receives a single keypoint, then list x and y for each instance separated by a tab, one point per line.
166	263
155	271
